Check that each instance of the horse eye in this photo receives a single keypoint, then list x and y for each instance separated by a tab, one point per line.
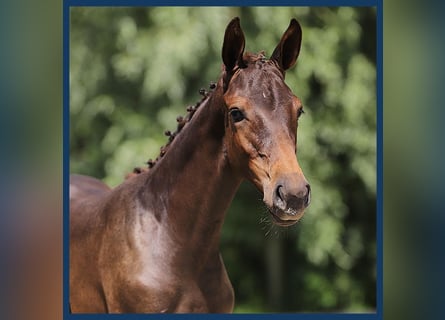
300	112
236	114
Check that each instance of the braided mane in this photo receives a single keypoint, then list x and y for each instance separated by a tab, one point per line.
182	120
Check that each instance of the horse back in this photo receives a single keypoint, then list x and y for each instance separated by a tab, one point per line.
82	187
86	194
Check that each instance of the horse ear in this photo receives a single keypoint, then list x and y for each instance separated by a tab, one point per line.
286	52
233	46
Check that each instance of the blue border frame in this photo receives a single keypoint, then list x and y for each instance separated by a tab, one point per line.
66	156
378	315
227	3
379	88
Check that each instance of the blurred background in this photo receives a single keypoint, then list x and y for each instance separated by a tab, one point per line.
134	70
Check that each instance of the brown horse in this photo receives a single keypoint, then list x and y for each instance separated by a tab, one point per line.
152	243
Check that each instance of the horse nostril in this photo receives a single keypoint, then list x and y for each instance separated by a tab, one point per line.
308	195
279	193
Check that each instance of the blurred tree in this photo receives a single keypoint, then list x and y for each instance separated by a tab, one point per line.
133	70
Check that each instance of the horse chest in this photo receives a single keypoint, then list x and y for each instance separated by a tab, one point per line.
217	289
208	291
212	298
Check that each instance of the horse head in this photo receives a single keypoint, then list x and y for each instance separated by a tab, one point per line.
261	119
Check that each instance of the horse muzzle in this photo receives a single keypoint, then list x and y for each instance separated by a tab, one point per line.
289	200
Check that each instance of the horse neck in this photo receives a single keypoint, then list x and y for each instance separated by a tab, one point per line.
192	186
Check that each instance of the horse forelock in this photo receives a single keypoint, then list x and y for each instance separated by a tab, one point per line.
259	76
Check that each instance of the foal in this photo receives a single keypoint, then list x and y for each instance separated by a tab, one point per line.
152	243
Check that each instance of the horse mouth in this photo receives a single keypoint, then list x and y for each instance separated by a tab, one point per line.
277	215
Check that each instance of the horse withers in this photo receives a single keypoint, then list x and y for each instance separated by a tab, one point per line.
151	244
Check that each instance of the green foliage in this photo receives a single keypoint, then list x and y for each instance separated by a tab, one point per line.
133	70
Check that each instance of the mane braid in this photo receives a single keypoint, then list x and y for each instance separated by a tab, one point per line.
182	120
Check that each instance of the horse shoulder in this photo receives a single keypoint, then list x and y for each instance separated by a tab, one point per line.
131	259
